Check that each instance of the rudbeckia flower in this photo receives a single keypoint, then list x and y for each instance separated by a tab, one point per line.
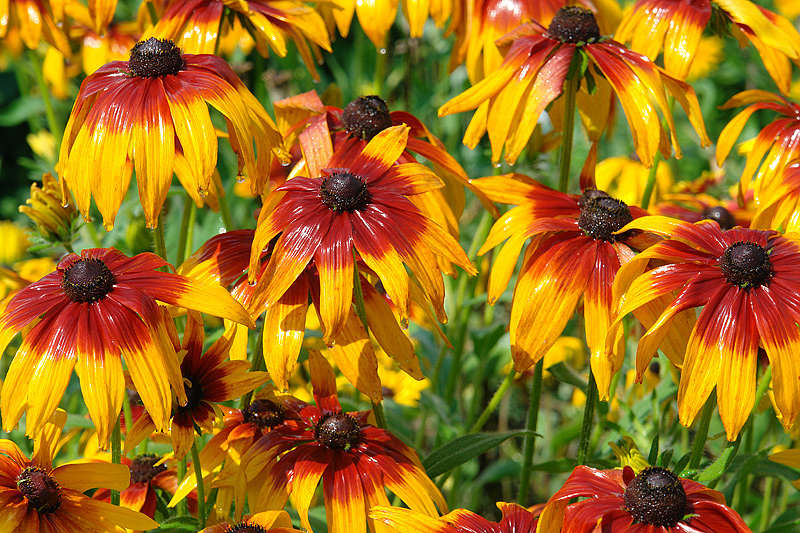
55	216
573	254
653	501
694	207
775	145
674	27
209	378
515	519
532	75
37	498
34	20
266	522
113	43
151	113
779	205
353	204
356	462
746	282
194	25
626	177
95	309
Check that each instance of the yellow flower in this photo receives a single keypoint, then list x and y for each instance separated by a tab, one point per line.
13	242
53	214
625	178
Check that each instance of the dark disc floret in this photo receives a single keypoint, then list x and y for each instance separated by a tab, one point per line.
602	215
87	280
343	191
720	215
265	414
144	468
244	527
656	497
337	431
154	58
746	264
366	117
573	25
41	490
194	395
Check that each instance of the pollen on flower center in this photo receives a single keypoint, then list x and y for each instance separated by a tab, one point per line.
337	431
573	25
41	491
245	528
88	280
154	58
656	497
366	117
342	191
746	264
720	215
601	215
144	468
264	414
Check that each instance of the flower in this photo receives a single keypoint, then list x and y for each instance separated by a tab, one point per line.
532	75
94	309
37	498
14	242
573	253
151	113
790	457
209	378
745	280
351	207
515	519
775	145
259	522
34	19
354	460
674	27
626	177
653	501
55	216
195	25
778	205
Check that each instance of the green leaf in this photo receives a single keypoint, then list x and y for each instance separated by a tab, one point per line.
178	524
652	457
565	464
20	110
462	449
563	373
720	466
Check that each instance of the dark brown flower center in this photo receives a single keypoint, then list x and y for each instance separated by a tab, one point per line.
265	414
746	264
194	395
244	527
342	191
656	497
88	280
573	25
154	58
366	117
601	215
337	431
720	215
41	491
144	468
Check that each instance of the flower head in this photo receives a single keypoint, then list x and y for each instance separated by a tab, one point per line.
515	519
35	21
265	522
745	282
54	215
38	498
95	309
533	73
653	501
355	461
151	113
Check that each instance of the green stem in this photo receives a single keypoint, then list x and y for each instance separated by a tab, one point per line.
187	229
588	419
570	92
183	505
380	70
127	412
380	418
256	365
530	438
493	403
766	504
651	182
201	491
225	211
116	456
702	432
159	243
52	123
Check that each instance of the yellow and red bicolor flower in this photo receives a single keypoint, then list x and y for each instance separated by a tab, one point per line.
675	27
510	100
694	207
148	473
653	501
95	309
151	113
625	178
209	378
194	25
98	48
773	148
779	204
573	255
37	498
353	203
746	282
34	20
356	462
265	522
516	519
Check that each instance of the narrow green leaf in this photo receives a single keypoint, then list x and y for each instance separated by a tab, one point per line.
563	373
462	449
720	465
